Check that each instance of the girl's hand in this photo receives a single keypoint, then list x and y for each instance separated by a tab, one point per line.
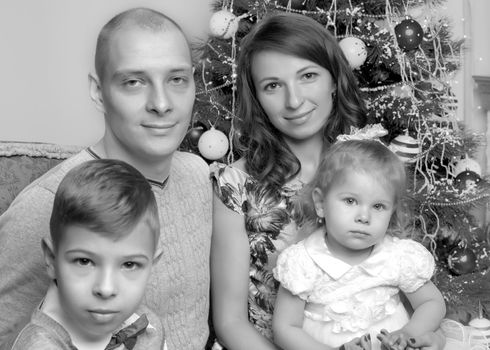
362	343
397	340
427	341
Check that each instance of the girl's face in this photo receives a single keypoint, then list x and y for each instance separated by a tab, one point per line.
295	93
357	211
101	281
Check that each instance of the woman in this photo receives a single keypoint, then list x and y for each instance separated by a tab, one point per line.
296	94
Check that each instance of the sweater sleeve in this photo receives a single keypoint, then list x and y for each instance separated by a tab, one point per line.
24	277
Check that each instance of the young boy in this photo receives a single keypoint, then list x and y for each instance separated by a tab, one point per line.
104	232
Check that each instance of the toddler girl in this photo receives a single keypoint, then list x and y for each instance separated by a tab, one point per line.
343	281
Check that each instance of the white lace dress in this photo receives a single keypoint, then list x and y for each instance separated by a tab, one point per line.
344	301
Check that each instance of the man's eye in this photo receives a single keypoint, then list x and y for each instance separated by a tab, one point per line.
179	80
133	83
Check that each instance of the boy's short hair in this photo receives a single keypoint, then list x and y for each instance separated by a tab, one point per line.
106	196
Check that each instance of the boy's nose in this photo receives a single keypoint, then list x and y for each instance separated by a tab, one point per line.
106	285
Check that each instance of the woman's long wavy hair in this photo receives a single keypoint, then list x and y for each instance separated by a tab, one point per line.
267	156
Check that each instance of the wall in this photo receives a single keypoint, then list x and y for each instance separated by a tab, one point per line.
46	51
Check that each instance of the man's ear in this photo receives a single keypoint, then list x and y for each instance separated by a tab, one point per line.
49	257
95	91
318	196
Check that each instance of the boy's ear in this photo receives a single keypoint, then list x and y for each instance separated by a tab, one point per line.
49	257
318	196
95	91
158	255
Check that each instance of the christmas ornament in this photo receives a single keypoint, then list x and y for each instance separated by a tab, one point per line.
223	24
403	91
405	147
354	50
194	134
213	144
461	260
466	164
409	34
480	330
293	4
466	180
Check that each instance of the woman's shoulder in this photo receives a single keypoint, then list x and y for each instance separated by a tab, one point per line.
229	173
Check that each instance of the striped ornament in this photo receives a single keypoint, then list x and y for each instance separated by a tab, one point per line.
405	147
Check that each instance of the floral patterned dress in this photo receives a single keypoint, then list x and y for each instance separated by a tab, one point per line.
270	228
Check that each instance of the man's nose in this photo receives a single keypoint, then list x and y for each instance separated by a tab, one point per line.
159	101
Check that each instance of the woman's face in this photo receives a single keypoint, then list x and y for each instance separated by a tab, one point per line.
295	93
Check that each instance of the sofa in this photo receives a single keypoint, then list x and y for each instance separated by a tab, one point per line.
23	162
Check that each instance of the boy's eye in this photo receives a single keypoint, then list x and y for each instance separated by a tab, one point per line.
131	265
83	261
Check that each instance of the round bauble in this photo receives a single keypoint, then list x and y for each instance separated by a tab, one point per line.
213	144
405	147
354	50
223	24
409	34
466	180
467	164
461	260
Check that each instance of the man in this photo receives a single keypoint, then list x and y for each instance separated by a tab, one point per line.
144	87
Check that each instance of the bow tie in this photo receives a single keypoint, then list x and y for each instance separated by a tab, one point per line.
129	334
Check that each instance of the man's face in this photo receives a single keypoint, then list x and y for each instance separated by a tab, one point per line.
147	91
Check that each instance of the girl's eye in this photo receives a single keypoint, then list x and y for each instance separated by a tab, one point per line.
350	201
83	261
379	206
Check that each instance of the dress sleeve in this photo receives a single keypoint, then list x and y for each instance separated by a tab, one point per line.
229	185
296	271
416	265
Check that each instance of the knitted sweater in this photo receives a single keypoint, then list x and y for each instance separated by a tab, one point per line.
178	290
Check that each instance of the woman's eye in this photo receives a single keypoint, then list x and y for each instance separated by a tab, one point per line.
309	76
271	86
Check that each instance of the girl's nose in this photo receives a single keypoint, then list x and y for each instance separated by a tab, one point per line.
363	216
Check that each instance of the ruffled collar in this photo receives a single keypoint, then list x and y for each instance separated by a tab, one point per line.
318	251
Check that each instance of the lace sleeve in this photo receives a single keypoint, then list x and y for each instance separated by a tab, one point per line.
296	271
416	265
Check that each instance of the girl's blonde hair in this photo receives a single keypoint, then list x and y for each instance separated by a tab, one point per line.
365	156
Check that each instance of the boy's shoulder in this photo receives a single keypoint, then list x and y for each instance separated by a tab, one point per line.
42	333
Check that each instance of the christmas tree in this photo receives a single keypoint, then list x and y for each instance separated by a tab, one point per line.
404	57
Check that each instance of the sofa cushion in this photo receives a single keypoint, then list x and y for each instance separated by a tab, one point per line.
23	162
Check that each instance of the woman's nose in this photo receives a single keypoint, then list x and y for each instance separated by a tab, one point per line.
294	97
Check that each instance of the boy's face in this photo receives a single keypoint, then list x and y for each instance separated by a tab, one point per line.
101	281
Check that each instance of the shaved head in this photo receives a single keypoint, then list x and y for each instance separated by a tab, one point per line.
142	18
